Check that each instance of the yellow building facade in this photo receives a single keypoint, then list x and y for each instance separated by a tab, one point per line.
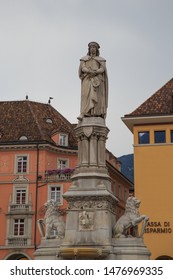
152	126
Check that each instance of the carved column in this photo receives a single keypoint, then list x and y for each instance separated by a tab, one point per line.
101	150
85	151
79	151
93	150
91	134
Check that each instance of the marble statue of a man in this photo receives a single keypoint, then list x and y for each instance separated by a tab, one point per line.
94	83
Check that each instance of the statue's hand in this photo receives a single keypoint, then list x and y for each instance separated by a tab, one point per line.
92	74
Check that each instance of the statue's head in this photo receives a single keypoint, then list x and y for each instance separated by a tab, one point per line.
95	45
49	203
132	203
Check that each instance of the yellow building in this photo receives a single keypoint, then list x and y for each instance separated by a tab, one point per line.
152	126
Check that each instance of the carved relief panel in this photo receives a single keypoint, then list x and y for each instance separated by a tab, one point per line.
86	220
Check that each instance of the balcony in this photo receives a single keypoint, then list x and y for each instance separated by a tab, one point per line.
19	207
58	175
17	241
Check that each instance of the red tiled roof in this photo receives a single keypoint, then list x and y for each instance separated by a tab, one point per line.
28	118
160	103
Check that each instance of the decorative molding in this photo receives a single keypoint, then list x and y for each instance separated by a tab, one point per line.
88	131
90	202
20	178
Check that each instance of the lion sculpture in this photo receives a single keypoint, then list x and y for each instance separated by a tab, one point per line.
53	220
127	224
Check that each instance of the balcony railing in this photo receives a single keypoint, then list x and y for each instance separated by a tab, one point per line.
17	241
19	207
59	175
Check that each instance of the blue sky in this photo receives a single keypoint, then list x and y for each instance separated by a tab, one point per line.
41	42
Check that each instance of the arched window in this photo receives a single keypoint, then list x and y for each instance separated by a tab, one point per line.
49	120
18	256
164	257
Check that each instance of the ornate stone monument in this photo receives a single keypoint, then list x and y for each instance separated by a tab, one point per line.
91	231
91	204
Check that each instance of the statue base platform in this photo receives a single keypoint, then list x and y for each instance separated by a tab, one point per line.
86	253
48	249
121	249
130	248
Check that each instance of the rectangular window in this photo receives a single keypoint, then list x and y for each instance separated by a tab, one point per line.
126	194
55	194
119	192
160	136
62	163
21	162
20	196
144	137
19	227
63	140
114	188
171	136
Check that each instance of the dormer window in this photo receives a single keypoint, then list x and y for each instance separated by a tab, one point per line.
49	120
23	138
63	140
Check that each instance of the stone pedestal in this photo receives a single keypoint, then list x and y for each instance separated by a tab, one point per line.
48	249
90	216
130	249
91	204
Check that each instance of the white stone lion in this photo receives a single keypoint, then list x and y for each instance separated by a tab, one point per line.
127	224
53	220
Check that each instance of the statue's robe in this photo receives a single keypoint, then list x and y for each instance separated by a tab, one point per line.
94	90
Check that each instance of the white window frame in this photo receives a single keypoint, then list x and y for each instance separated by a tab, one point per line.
21	194
20	188
60	186
16	163
27	227
61	165
63	139
19	224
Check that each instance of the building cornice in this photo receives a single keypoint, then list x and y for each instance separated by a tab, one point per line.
130	122
40	146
